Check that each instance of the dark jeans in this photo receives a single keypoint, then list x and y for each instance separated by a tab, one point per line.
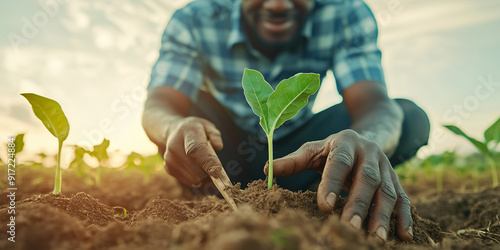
244	157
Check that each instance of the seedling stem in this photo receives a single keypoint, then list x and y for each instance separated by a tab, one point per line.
493	171
57	184
270	175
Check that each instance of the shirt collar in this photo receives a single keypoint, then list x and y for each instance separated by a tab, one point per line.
237	34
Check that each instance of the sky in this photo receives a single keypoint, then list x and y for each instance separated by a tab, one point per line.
94	58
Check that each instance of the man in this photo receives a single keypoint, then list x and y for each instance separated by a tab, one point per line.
196	98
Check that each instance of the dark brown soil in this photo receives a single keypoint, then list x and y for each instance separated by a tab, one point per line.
471	215
161	214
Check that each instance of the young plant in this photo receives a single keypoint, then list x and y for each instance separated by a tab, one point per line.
100	152
52	116
491	135
274	107
145	164
81	168
439	164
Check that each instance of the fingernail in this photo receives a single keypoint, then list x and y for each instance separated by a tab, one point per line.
410	231
356	222
382	233
330	199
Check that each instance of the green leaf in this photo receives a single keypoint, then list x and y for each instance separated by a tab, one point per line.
479	145
19	142
493	133
51	114
289	97
257	91
79	154
100	151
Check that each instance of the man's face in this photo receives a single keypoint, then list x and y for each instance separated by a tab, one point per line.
274	21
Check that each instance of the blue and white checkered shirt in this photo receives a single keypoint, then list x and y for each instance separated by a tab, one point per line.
204	47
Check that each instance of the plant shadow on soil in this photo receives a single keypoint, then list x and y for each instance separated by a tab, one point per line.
161	215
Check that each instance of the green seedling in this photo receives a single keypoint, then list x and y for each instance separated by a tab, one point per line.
439	164
124	213
147	165
100	152
274	107
491	136
52	116
81	168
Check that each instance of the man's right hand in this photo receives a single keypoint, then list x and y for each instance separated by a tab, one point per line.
188	156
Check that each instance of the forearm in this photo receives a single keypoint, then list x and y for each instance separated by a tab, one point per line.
156	121
162	108
381	123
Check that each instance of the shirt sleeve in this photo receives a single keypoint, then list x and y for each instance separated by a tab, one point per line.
356	55
178	64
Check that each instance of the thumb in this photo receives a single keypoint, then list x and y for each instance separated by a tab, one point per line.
309	156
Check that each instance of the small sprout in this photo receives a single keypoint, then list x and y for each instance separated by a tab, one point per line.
491	136
121	213
100	152
145	164
274	107
52	116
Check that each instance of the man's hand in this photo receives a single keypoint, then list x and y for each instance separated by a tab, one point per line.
187	156
348	161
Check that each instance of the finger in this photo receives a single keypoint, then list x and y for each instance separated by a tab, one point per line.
310	156
195	143
403	211
179	167
213	134
338	167
383	204
367	178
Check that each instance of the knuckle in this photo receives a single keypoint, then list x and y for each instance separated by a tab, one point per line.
211	165
385	216
310	151
371	146
361	205
190	119
308	147
193	148
189	123
342	160
331	182
349	134
370	174
388	192
404	199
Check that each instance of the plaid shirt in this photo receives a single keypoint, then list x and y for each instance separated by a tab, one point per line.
204	47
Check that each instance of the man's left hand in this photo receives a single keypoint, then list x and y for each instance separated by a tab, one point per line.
348	161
